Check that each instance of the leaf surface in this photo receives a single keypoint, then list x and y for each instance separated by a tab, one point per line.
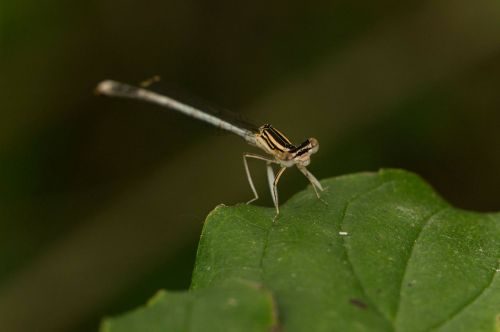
385	253
238	306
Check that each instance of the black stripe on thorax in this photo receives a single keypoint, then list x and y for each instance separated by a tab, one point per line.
301	149
276	140
268	141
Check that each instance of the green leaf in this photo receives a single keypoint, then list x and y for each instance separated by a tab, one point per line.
238	306
385	254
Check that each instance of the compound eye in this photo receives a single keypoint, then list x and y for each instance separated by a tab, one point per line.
314	144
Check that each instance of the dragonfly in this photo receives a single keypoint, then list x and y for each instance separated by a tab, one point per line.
280	151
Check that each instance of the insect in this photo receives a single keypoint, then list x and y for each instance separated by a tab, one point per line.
279	149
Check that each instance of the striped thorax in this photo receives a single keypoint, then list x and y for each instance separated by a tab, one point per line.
273	142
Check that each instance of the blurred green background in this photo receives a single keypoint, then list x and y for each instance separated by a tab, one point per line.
102	200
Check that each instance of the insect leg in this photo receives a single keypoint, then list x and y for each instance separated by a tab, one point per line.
249	176
270	180
314	182
273	183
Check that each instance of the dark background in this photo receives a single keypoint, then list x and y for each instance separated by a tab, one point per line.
102	200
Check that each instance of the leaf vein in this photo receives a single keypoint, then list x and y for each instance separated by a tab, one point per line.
351	265
264	251
469	303
426	222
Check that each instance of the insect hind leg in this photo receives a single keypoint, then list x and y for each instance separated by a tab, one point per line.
249	176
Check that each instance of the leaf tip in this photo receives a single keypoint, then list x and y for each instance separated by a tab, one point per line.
105	325
157	297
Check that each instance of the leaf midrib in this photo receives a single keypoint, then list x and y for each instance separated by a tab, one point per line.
351	265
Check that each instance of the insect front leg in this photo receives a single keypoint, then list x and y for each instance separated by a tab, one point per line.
314	182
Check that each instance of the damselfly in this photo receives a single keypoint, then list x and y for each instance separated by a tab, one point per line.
282	152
